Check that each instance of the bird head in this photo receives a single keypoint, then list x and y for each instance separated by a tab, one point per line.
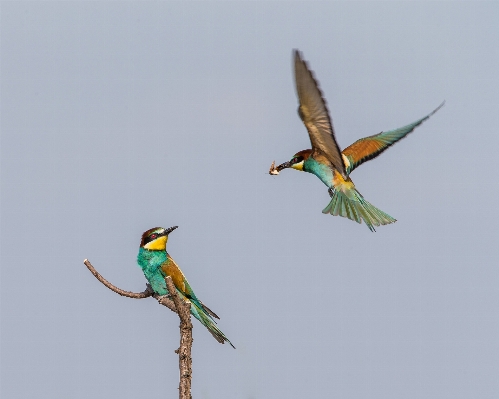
155	239
296	162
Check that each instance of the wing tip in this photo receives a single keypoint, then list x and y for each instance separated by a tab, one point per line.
436	109
303	72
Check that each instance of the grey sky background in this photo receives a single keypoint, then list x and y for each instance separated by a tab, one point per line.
118	117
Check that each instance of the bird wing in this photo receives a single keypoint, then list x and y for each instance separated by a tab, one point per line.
368	148
315	115
170	268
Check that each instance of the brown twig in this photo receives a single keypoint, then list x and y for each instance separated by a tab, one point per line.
172	302
163	300
184	351
137	295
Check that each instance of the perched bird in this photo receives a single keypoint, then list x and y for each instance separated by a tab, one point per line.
331	165
156	264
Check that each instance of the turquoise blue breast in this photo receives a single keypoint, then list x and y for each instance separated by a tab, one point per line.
323	172
150	263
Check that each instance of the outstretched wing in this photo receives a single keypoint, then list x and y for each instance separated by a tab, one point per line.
314	114
365	149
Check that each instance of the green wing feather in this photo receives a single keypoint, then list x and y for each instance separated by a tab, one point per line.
368	148
192	296
198	309
170	268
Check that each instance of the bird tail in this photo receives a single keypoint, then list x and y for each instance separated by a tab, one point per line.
352	205
199	312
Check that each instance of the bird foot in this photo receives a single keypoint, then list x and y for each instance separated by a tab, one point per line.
331	192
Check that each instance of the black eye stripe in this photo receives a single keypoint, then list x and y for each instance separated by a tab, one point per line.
152	237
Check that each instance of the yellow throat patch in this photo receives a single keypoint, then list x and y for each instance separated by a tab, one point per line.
298	166
159	244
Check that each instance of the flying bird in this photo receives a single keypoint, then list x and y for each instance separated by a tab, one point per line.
156	263
331	165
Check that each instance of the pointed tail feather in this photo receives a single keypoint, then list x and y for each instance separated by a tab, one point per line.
354	207
209	311
207	321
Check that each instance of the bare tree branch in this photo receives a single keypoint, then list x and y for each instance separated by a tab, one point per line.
172	302
184	352
137	295
163	300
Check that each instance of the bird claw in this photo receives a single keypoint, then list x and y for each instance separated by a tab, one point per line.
273	170
331	192
161	297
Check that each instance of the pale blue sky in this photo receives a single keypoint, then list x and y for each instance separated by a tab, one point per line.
118	117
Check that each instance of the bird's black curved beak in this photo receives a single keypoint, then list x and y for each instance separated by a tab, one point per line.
283	166
168	231
275	170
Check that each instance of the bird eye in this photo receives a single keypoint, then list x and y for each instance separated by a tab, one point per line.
153	236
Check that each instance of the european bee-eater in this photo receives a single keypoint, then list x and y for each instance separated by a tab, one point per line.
156	264
327	162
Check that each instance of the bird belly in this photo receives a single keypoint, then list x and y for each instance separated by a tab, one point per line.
150	263
158	283
340	184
